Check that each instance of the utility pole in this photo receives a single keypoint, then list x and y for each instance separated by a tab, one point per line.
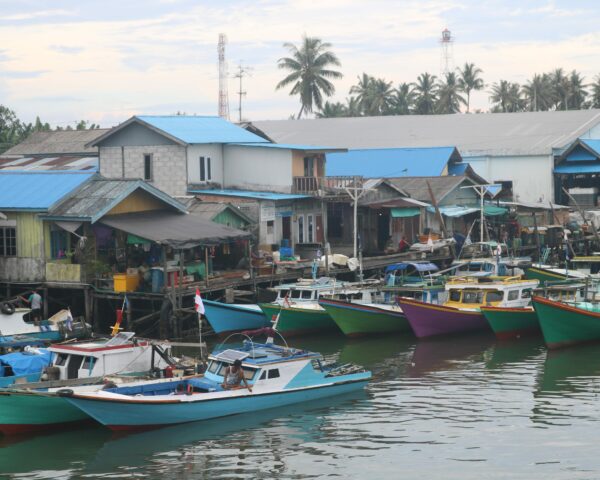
241	73
480	189
223	95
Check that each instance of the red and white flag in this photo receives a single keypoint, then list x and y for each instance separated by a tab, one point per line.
198	303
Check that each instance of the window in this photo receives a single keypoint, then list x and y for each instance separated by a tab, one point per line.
273	373
310	228
88	363
61	359
300	228
213	367
263	375
309	167
513	295
494	296
205	169
147	166
472	297
59	243
8	242
526	293
270	227
296	294
455	295
248	373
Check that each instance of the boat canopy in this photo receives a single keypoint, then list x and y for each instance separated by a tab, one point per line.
419	267
23	363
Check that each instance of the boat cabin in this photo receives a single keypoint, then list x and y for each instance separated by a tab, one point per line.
310	291
474	292
121	354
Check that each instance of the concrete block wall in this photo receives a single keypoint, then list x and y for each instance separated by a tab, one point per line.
169	163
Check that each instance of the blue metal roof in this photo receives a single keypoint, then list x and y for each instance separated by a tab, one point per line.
37	190
291	146
251	194
390	162
593	144
201	129
579	168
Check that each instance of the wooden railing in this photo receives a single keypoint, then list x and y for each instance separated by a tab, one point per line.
325	185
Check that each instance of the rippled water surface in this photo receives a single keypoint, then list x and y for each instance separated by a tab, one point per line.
455	408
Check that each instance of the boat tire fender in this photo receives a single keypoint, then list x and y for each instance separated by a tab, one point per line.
65	392
7	308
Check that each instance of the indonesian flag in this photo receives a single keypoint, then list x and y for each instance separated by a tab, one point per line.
198	303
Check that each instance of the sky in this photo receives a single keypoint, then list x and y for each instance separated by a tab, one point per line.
104	61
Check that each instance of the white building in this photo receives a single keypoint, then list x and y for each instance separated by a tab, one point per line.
501	147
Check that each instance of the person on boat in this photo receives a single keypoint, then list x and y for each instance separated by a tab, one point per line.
403	245
234	376
35	301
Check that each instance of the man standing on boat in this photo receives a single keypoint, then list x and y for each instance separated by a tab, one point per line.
234	375
35	302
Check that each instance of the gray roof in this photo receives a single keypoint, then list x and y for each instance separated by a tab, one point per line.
58	142
416	187
526	133
97	197
209	210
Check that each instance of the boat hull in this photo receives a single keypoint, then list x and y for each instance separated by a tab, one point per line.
26	378
543	275
22	412
224	318
563	325
510	323
299	321
427	320
357	320
132	415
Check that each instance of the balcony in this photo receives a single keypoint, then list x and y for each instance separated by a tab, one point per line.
323	186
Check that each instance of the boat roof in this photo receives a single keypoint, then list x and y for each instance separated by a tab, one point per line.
418	266
106	345
488	282
257	354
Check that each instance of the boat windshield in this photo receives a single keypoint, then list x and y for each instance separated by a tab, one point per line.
455	295
472	296
494	296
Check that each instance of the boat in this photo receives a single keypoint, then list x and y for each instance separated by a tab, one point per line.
488	258
31	407
376	312
461	312
17	322
278	376
25	366
566	324
225	318
296	310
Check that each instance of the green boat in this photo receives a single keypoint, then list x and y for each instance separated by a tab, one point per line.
567	324
23	411
305	318
545	273
511	322
355	319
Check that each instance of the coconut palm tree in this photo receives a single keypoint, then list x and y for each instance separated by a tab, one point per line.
595	100
449	98
506	97
310	66
425	94
561	88
577	90
538	93
332	110
363	91
404	99
380	100
470	80
353	107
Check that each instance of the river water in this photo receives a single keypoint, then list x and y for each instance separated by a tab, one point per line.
456	408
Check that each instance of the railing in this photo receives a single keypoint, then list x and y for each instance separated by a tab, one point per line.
323	185
306	184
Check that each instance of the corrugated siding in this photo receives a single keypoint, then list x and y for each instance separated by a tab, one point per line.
227	217
30	235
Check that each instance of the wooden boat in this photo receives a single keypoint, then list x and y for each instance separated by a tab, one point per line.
23	366
461	312
36	406
565	324
278	376
510	322
225	318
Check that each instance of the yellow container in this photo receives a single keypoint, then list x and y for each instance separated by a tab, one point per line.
125	282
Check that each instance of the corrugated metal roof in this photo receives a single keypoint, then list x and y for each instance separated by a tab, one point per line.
390	162
209	210
200	129
292	146
592	144
250	194
59	142
474	134
37	191
416	187
94	199
72	163
578	168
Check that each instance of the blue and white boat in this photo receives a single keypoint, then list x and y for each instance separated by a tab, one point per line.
277	375
23	367
225	318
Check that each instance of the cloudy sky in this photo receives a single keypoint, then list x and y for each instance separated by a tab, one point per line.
107	60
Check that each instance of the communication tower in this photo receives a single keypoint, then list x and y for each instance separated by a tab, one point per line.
223	93
447	52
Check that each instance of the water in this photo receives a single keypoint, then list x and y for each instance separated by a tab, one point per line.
456	408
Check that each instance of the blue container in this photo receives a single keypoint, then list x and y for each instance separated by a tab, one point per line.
285	242
286	251
158	280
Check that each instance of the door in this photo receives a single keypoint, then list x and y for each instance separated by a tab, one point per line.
286	229
320	233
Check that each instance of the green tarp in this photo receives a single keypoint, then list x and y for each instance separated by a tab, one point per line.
493	210
405	212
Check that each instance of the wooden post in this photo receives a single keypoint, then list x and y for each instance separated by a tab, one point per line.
324	233
129	319
45	302
180	299
87	304
537	236
96	323
206	264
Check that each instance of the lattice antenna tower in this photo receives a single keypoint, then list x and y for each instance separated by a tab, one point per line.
447	52
223	93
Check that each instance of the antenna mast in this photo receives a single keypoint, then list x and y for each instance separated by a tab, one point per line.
447	60
223	94
241	73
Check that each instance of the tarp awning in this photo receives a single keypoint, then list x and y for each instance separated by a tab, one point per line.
405	212
173	229
419	267
493	210
24	363
458	211
69	226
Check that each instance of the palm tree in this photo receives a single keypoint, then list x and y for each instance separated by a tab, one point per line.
425	94
353	107
309	65
595	100
470	80
449	97
578	91
380	97
332	110
538	93
506	96
404	99
561	88
363	91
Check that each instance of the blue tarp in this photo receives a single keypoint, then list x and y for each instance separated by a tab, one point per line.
23	363
419	267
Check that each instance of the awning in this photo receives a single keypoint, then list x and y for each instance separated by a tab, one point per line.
405	212
69	226
173	229
493	210
458	211
419	267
